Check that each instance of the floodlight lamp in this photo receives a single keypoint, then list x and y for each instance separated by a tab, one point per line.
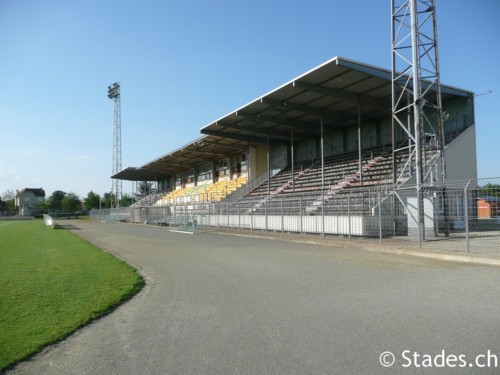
445	116
486	92
114	90
421	103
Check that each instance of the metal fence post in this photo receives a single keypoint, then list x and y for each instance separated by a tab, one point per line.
300	216
227	212
239	215
339	227
380	217
349	213
393	213
217	210
282	219
323	211
265	211
466	217
208	214
184	214
251	216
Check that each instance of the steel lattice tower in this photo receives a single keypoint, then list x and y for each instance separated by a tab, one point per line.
416	101
116	190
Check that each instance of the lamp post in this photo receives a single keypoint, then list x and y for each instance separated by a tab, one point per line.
114	94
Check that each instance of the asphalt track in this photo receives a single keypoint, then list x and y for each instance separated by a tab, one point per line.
217	304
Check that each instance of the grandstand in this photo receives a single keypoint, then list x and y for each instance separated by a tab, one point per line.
321	147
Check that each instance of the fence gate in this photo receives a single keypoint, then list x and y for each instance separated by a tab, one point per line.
192	219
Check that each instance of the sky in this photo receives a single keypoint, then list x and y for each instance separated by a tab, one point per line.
184	64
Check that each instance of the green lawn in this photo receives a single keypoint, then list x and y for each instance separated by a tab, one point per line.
51	283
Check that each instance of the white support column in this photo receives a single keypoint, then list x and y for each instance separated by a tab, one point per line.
268	168
293	160
418	118
322	181
360	161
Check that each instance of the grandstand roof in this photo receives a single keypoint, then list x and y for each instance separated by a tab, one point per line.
139	174
331	91
203	150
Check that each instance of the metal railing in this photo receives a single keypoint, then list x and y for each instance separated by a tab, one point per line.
461	216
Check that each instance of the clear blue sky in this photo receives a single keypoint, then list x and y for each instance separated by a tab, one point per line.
183	64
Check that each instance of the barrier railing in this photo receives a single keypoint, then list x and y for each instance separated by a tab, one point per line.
461	216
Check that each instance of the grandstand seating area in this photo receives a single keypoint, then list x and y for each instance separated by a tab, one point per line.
202	193
304	192
148	200
339	172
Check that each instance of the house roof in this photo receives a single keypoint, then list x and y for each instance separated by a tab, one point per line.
489	198
37	192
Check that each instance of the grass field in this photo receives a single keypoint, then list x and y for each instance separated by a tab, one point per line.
51	283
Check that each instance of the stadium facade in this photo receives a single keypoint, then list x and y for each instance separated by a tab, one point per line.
305	149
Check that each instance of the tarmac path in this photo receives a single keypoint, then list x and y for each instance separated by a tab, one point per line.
217	304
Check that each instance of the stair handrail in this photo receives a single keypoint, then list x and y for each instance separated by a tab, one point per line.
256	182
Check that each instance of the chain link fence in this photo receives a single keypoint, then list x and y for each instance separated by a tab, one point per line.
462	216
4	215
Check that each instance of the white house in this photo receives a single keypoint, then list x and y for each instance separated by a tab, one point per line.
28	200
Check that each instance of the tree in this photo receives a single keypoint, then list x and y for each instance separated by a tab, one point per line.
8	195
108	199
490	189
54	202
3	205
126	200
71	202
9	200
144	188
43	207
91	201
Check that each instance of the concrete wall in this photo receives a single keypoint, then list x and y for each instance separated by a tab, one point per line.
257	161
357	225
460	157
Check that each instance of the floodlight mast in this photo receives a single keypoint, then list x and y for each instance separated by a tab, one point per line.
416	104
116	190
